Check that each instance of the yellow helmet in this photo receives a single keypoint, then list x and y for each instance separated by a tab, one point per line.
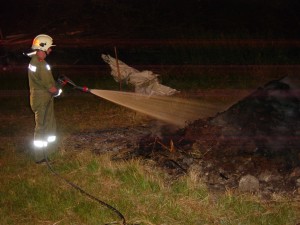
42	42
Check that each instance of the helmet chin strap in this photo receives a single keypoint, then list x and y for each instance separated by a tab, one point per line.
29	54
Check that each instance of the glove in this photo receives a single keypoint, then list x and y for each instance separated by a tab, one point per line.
58	93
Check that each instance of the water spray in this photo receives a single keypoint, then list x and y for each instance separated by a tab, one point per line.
170	109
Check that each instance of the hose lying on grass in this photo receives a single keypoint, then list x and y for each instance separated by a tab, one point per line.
76	186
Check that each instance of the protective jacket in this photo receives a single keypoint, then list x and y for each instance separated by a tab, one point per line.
41	101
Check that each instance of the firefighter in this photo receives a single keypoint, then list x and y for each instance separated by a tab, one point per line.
42	90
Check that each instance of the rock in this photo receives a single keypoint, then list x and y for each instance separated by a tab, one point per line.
267	176
298	182
188	161
249	183
295	172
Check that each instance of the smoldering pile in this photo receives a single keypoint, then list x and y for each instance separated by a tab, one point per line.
266	122
258	137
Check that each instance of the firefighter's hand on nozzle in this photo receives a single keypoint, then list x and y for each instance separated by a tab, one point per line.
58	93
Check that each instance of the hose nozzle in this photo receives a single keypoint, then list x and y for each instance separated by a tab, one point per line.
64	80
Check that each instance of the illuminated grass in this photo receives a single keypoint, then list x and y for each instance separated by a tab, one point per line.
35	196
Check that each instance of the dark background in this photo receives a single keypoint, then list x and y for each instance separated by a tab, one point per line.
155	31
154	18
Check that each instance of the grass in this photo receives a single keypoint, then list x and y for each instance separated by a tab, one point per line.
31	194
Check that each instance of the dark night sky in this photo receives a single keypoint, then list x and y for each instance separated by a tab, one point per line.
73	23
154	18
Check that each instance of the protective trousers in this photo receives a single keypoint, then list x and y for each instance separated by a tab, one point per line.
45	123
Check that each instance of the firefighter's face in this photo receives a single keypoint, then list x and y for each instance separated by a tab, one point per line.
43	54
48	51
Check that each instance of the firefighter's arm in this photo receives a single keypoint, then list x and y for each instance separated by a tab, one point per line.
48	81
55	91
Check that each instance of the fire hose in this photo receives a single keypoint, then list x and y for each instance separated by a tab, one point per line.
62	81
